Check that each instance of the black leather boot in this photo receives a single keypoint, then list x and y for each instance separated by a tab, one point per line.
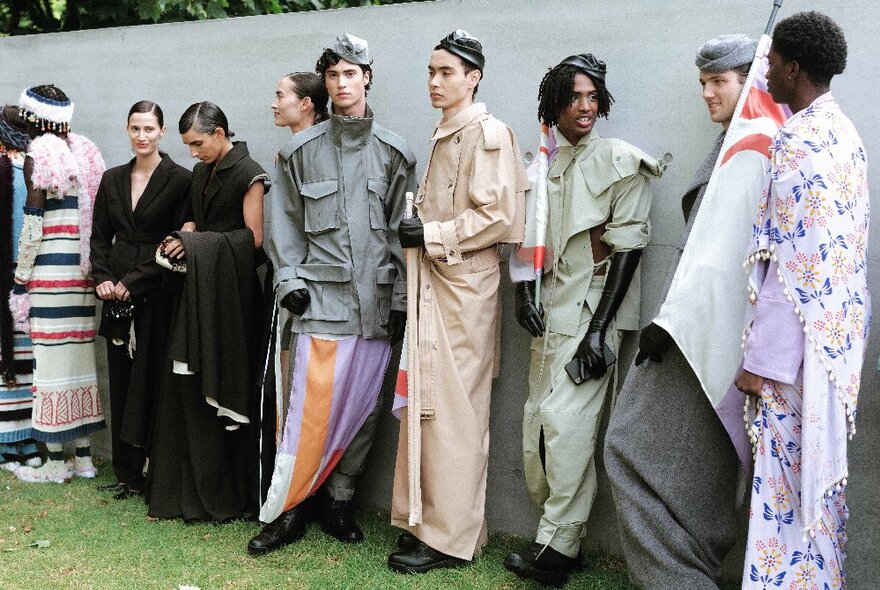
542	564
423	559
287	528
407	541
337	520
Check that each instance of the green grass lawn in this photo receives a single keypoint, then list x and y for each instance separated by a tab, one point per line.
95	542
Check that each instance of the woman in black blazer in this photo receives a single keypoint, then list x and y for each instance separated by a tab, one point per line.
138	204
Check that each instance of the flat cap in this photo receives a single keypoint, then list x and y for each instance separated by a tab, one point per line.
352	49
725	52
461	43
588	63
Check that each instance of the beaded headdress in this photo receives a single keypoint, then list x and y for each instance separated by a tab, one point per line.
45	113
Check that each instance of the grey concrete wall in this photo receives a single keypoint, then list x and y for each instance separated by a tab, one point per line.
649	48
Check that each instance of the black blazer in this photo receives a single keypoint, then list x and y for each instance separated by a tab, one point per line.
162	209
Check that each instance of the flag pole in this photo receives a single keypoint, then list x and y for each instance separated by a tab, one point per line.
777	4
413	405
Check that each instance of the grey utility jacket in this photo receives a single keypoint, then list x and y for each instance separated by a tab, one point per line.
331	224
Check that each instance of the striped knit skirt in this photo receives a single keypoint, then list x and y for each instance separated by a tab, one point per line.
16	406
66	400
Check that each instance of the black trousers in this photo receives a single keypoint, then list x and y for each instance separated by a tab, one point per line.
128	460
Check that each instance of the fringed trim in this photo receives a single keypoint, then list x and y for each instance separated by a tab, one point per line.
91	167
812	529
833	377
20	308
55	169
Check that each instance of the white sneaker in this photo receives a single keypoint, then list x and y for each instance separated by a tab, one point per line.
83	467
50	472
34	462
9	466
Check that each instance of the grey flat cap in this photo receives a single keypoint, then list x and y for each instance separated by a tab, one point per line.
725	52
352	49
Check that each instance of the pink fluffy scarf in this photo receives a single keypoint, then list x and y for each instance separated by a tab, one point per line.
61	165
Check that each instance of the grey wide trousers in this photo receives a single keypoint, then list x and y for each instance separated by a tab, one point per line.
674	475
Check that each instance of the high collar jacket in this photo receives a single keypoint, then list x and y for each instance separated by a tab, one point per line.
331	224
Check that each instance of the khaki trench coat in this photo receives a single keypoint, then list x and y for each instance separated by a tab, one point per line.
470	200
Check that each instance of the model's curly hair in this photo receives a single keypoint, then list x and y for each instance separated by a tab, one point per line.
814	41
328	58
557	92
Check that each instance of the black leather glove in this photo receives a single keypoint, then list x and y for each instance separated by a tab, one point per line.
529	317
654	341
396	326
411	232
589	352
296	301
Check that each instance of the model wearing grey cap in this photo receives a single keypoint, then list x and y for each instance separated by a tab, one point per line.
332	239
672	466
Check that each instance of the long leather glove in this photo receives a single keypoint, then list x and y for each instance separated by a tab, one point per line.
411	233
528	315
654	341
297	301
589	352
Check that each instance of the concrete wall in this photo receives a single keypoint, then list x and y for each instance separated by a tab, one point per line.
649	48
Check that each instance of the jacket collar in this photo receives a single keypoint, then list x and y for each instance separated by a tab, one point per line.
239	150
351	129
154	185
459	121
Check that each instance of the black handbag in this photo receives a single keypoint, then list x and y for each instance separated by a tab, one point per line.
116	318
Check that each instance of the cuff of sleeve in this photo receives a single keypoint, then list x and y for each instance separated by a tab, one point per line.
38	211
628	237
286	286
433	242
442	241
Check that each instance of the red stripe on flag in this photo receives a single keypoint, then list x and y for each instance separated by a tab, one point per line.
400	387
760	104
756	142
538	257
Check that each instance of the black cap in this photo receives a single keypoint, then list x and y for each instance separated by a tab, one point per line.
586	62
465	46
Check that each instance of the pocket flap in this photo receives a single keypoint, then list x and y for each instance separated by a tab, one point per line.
316	190
386	275
378	186
331	273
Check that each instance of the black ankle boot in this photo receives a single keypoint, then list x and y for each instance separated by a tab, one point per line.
287	528
542	564
337	520
407	541
422	559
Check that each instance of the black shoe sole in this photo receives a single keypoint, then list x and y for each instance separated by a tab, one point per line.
524	569
450	563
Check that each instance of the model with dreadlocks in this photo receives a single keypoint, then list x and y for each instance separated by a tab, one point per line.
599	195
53	283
